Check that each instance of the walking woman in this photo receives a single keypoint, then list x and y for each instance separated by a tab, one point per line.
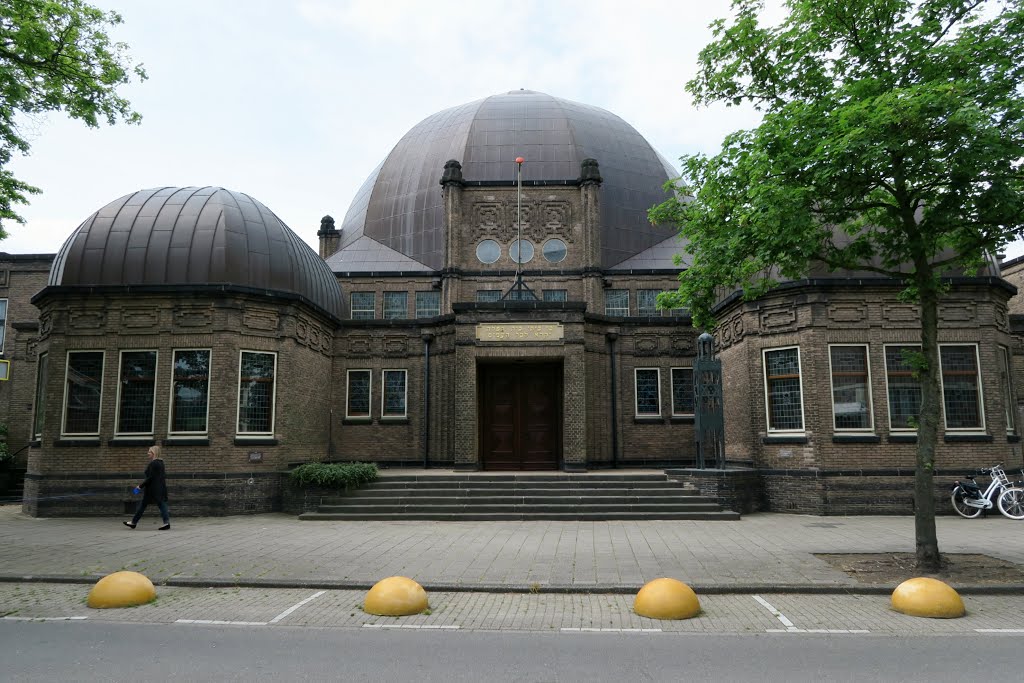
154	490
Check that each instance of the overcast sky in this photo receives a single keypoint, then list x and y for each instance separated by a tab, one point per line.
296	102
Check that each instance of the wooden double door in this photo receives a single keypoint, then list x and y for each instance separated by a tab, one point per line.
520	416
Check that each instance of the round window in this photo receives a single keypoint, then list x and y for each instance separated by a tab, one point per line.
554	250
488	251
513	251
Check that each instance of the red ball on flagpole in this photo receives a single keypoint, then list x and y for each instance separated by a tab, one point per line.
520	160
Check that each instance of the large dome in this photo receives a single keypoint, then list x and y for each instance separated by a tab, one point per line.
193	236
400	204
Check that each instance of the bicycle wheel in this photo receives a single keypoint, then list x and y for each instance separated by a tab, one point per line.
1011	503
962	508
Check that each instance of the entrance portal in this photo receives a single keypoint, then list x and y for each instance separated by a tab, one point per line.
520	416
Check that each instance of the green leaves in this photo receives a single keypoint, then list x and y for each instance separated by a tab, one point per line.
333	475
56	56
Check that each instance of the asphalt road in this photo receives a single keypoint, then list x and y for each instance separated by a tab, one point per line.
84	651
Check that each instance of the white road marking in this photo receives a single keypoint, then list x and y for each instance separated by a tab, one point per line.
610	630
791	627
45	618
418	626
999	630
220	622
776	613
296	606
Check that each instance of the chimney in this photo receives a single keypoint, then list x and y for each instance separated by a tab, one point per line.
329	236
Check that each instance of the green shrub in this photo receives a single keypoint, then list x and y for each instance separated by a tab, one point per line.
334	475
5	454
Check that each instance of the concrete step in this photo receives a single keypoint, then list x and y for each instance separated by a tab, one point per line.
485	506
511	500
527	476
390	483
520	516
546	494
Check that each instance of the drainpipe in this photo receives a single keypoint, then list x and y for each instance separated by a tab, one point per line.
427	338
611	337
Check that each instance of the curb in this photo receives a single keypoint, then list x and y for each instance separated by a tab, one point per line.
579	589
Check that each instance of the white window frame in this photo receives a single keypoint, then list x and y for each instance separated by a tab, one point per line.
369	390
238	398
636	394
416	303
39	406
870	429
209	377
1009	404
803	396
383	391
616	315
3	322
352	306
384	305
657	311
693	388
981	394
117	400
888	403
64	405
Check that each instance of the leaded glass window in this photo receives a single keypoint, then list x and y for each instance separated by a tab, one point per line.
428	304
190	390
358	396
396	305
782	383
83	390
903	386
555	295
682	391
394	394
1006	387
363	306
616	302
851	388
488	295
39	418
3	323
647	301
648	391
256	382
136	392
961	390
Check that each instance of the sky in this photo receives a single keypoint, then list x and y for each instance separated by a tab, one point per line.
295	102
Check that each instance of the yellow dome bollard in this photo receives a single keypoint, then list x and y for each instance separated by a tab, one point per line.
666	599
121	589
395	596
924	597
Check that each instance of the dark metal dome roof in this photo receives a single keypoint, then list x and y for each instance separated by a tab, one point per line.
400	204
193	236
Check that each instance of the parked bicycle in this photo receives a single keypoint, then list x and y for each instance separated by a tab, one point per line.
970	501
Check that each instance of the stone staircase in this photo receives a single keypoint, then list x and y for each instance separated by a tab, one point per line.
521	496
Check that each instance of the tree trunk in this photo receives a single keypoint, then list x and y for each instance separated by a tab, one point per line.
927	544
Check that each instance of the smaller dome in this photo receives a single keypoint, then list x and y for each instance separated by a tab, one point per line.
198	236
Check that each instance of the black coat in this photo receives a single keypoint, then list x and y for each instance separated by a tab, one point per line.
155	486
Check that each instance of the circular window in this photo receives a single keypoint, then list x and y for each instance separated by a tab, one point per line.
488	251
513	251
554	250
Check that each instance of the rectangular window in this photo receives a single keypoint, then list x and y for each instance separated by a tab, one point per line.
783	394
3	323
961	387
256	384
682	391
555	295
428	304
1006	387
487	295
851	387
616	302
136	392
358	400
363	306
647	302
83	391
394	395
190	391
396	305
648	392
903	387
39	418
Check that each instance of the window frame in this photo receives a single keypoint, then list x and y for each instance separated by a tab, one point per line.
564	293
636	394
693	389
239	434
487	300
120	383
5	306
64	405
869	388
979	429
767	402
655	312
888	401
384	305
348	394
383	394
435	294
171	433
606	309
1009	400
39	407
352	310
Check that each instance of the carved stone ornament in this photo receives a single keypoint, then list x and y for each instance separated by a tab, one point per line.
957	313
645	345
395	346
146	318
360	345
682	345
312	335
88	320
263	319
193	316
901	314
776	318
848	313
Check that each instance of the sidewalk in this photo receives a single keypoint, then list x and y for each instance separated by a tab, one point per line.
762	552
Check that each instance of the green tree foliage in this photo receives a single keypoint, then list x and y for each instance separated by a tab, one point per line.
892	141
55	55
